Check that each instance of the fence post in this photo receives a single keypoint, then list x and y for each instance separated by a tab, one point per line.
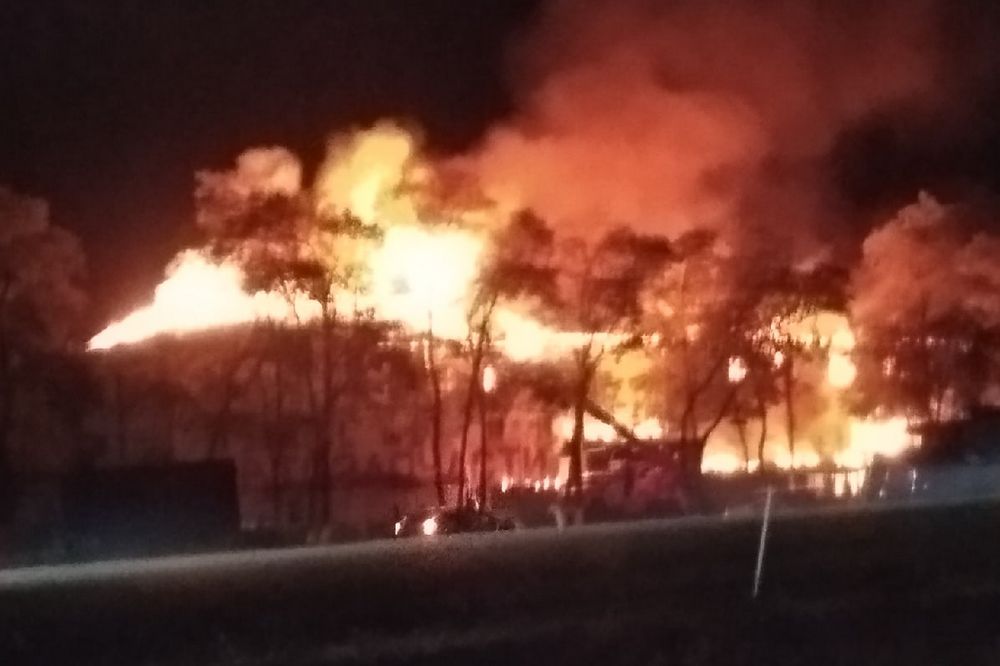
763	541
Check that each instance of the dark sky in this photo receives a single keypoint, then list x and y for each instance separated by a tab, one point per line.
109	107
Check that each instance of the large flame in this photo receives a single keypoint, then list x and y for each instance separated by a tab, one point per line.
869	438
421	277
420	274
865	439
199	293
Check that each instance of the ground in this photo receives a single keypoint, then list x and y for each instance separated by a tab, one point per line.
902	586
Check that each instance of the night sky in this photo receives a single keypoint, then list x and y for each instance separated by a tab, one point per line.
108	108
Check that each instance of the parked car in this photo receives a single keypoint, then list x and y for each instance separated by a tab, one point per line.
436	521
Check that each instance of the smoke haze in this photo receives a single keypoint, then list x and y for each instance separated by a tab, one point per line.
669	115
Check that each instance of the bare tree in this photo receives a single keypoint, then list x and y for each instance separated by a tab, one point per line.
600	288
437	410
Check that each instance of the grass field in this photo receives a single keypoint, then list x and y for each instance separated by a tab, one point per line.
902	587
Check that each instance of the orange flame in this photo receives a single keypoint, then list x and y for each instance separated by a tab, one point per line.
197	294
419	275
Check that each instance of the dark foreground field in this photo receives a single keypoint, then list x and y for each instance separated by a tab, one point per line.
902	587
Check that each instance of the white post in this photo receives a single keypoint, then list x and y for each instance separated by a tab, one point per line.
763	542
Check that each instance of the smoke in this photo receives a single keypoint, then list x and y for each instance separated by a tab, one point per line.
258	173
926	264
670	115
21	215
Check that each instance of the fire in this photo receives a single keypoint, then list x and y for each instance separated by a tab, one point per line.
737	370
522	338
826	329
422	277
721	462
804	458
198	294
841	370
598	431
489	381
868	438
420	274
365	172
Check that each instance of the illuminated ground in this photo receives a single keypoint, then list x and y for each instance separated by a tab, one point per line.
901	587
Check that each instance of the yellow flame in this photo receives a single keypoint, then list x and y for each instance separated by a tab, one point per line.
868	438
419	275
598	431
721	462
422	276
737	370
803	458
489	379
840	371
198	294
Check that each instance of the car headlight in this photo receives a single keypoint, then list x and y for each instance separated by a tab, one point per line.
398	527
429	526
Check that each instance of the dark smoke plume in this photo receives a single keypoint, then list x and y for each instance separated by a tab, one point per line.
670	115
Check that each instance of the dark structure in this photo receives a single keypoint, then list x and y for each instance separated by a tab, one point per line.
974	439
154	509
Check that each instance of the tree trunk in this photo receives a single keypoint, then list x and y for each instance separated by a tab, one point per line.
574	484
472	396
321	485
6	415
121	418
741	431
688	459
762	414
478	343
437	407
270	418
275	434
275	460
218	438
328	414
483	450
789	382
691	454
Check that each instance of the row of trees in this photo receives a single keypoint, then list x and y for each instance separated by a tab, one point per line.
924	298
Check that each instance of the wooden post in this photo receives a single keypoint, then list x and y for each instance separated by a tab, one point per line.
763	542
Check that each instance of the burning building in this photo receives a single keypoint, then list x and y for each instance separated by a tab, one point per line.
338	333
